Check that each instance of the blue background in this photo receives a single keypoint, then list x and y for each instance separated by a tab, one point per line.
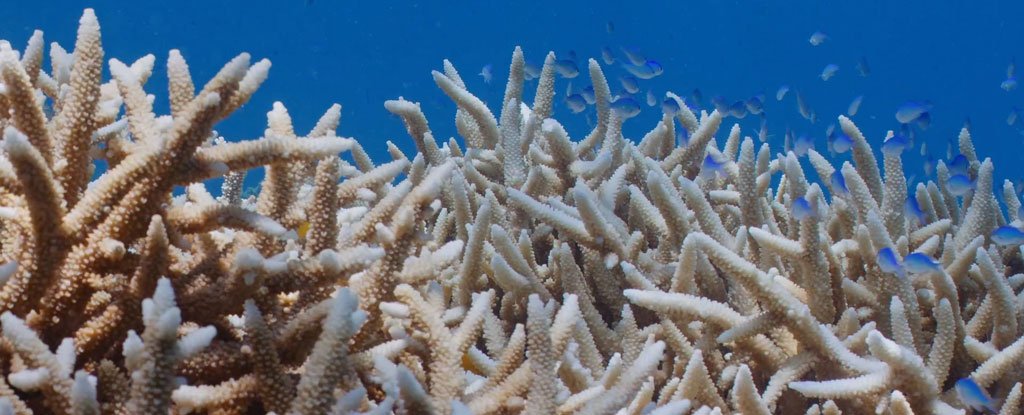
358	54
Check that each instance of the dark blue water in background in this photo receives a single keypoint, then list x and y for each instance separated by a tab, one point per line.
358	54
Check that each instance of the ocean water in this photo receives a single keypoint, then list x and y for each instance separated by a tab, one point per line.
953	54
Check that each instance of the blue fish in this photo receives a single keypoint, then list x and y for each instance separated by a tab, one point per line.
651	99
738	109
670	106
959	184
1011	119
588	95
895	144
842	143
888	262
919	263
1008	235
634	56
839	183
720	104
711	166
647	70
697	95
781	93
959	164
924	121
802	107
1009	84
567	68
762	134
576	103
530	71
829	71
682	137
487	73
974	396
911	110
626	107
607	56
929	166
854	105
913	210
629	83
755	105
803	143
862	67
802	209
817	38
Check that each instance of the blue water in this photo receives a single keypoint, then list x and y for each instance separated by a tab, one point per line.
358	54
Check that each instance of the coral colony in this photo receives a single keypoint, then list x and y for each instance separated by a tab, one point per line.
525	272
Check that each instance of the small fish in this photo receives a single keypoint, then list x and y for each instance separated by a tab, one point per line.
711	166
895	144
682	137
1012	118
801	106
607	56
924	121
912	209
924	149
1009	84
919	263
839	183
697	95
762	134
829	71
889	262
626	107
487	73
720	104
755	105
670	106
781	93
651	99
1011	77
802	209
609	27
588	95
862	67
302	230
959	184
802	144
854	105
738	109
647	70
530	71
959	164
1008	235
629	83
634	56
974	396
929	166
911	110
817	38
576	103
567	68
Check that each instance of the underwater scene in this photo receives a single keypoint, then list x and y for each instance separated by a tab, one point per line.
473	207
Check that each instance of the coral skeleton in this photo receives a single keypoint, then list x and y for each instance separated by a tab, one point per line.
522	272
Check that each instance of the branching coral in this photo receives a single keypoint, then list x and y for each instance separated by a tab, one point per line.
524	273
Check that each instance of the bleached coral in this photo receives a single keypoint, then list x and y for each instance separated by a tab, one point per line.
524	273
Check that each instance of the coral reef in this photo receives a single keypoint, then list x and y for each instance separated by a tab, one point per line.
522	273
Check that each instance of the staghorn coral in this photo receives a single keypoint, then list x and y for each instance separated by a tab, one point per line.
525	273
